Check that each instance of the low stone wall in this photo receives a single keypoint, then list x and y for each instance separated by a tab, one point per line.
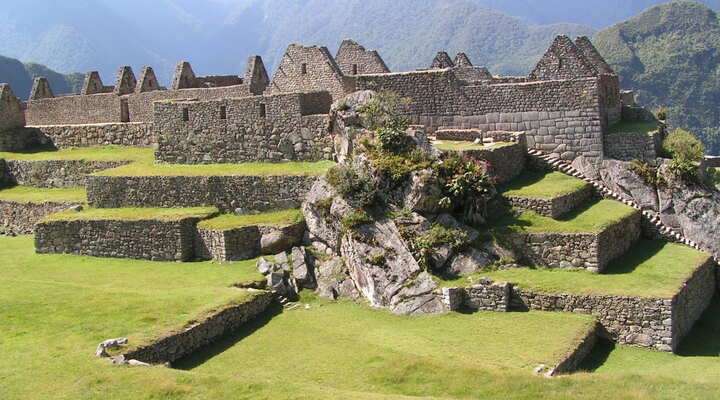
631	146
20	218
506	162
488	296
146	239
229	245
554	207
227	193
592	251
573	359
18	139
55	173
176	345
693	299
120	134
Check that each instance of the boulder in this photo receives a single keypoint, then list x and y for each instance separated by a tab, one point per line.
110	344
399	283
331	275
274	240
424	192
319	209
301	269
469	261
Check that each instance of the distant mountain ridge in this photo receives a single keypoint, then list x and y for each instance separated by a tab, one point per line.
20	77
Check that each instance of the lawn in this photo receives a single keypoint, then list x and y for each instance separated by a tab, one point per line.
593	218
133	214
463	145
245	169
633	127
102	153
29	194
54	309
232	221
649	269
543	186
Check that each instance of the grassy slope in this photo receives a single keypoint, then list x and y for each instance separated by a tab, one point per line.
650	269
133	214
543	186
54	309
274	218
246	169
593	218
103	153
28	194
633	127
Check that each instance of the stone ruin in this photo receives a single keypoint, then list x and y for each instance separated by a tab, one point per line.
307	111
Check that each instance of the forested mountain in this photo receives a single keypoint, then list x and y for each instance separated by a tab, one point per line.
670	55
20	77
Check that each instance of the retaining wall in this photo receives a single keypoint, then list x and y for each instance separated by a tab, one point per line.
121	134
592	251
632	146
248	242
146	239
573	359
18	139
20	218
227	193
553	207
176	345
54	173
506	162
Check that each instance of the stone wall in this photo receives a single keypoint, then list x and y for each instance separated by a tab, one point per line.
145	239
11	113
561	117
20	218
74	109
693	299
54	173
553	207
18	139
260	128
506	161
196	335
572	361
227	193
488	296
632	146
120	134
354	59
228	245
592	251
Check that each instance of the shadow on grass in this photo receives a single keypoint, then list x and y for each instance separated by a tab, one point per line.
597	357
203	355
43	148
704	338
638	254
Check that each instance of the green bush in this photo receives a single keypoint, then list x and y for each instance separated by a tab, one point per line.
467	187
647	173
355	219
686	152
383	110
357	189
438	236
397	168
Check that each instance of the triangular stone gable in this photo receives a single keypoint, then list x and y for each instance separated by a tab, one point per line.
354	59
256	76
125	82
184	77
442	60
41	89
93	84
10	109
148	81
462	60
563	60
593	55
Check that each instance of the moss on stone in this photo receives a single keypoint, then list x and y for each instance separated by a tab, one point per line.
245	169
232	221
133	214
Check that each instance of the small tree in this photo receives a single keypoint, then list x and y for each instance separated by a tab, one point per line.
686	151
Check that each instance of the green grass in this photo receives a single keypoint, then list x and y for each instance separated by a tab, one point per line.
543	186
103	153
29	194
650	269
462	145
592	219
133	214
245	169
55	309
232	221
633	127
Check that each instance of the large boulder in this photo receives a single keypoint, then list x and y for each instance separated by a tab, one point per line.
385	272
470	261
620	178
423	194
274	240
333	280
321	209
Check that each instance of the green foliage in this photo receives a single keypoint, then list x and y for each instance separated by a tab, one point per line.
467	187
686	151
382	111
324	205
398	167
647	173
428	242
355	219
357	188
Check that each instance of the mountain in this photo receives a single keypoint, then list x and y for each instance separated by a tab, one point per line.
670	55
20	77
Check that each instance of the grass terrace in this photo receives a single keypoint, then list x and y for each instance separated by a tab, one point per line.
133	214
462	145
34	195
543	186
232	221
592	219
633	127
291	168
102	153
651	269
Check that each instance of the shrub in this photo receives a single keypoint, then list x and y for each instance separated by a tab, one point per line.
467	187
438	236
355	219
397	168
647	173
686	151
383	110
356	188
